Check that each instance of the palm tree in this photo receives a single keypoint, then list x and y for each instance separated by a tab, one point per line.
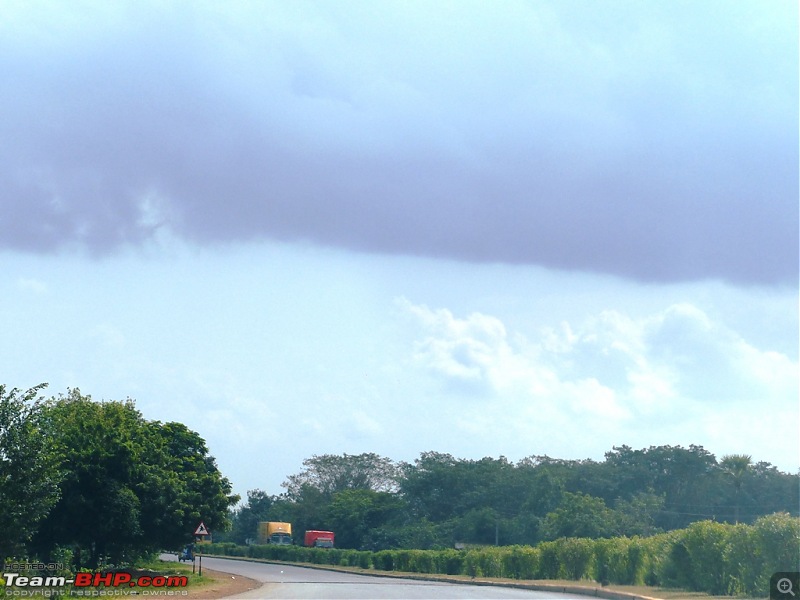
736	466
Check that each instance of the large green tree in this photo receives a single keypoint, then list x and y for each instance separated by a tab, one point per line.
354	513
310	493
99	447
131	486
687	478
447	499
330	473
29	474
736	467
180	486
580	515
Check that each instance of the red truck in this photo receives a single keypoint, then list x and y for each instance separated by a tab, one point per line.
319	539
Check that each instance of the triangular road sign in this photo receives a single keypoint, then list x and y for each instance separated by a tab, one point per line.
201	529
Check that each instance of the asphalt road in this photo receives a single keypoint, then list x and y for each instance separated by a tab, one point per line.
284	581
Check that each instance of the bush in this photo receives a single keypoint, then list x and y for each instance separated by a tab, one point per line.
637	562
707	557
472	564
491	561
744	560
402	560
383	560
421	561
548	561
449	562
777	537
575	557
349	558
521	562
611	560
656	550
705	543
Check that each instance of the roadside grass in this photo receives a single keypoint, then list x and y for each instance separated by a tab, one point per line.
163	567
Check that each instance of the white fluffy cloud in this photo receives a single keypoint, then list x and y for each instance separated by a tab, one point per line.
610	377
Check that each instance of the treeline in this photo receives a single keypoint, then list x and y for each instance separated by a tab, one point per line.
707	557
373	503
85	483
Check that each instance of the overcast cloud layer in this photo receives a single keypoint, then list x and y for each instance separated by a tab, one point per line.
655	141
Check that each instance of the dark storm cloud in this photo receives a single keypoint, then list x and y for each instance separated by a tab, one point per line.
657	146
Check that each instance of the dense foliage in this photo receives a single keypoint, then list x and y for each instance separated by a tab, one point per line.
29	473
98	483
439	501
717	558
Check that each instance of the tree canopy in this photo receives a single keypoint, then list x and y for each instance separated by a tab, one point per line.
100	480
29	468
439	499
329	474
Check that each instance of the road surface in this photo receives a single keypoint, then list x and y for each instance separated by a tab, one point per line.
286	581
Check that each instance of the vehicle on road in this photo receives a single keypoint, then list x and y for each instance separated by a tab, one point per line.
319	539
275	532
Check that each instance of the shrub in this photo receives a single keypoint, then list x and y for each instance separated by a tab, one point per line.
491	561
744	560
705	543
611	560
657	550
521	562
421	561
402	560
575	557
778	539
450	562
383	560
548	561
637	562
472	564
365	560
706	556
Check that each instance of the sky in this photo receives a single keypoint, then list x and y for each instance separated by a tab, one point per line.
482	228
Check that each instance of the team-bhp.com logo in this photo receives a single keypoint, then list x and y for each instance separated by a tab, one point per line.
119	582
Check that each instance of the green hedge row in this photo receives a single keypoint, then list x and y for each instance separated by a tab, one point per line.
707	557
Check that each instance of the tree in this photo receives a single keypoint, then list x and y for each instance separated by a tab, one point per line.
439	487
354	513
203	494
29	476
637	516
736	466
685	477
98	510
547	489
771	491
183	486
131	486
580	515
331	473
432	485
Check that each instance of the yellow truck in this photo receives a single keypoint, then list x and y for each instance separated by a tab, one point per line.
275	532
